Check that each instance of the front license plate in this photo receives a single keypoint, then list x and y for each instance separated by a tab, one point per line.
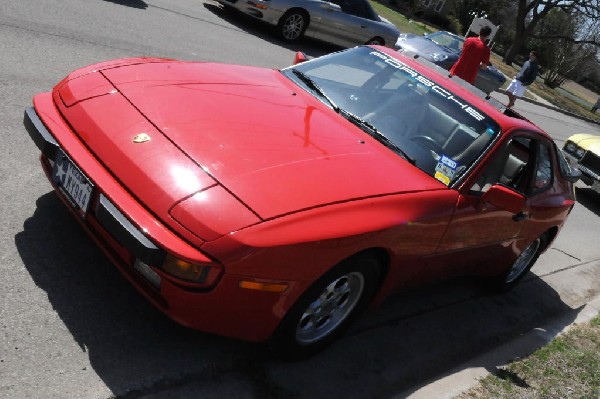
71	181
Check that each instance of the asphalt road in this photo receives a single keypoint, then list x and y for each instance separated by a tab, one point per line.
71	327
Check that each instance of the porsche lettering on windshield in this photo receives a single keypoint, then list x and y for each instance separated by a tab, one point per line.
428	83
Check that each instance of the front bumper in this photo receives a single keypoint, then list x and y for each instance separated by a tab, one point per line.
127	232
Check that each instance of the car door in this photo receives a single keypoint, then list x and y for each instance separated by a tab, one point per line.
483	238
345	22
551	196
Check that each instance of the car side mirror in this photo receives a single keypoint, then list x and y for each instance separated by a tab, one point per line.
300	57
504	198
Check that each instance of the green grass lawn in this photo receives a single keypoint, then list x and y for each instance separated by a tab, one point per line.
404	24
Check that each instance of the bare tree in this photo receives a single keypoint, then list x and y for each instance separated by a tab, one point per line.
568	60
561	57
531	12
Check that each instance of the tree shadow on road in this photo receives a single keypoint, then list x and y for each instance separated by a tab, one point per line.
135	349
141	4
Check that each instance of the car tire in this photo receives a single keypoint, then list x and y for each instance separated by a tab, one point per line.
327	308
520	266
376	41
292	25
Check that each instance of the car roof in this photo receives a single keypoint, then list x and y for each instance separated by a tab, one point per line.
448	33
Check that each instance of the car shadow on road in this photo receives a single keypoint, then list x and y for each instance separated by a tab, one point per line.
126	338
131	3
588	198
136	350
268	33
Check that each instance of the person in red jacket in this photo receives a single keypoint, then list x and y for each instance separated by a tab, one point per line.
475	55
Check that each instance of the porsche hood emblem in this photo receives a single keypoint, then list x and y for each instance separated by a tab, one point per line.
141	138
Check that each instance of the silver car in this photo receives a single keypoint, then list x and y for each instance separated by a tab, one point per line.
443	48
346	23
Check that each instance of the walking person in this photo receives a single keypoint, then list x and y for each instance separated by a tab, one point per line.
524	78
475	55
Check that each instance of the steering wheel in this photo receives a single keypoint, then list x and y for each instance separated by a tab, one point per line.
429	143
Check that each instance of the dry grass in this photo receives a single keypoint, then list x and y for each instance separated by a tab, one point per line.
581	92
568	367
570	96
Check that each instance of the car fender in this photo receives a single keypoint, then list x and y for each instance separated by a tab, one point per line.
314	240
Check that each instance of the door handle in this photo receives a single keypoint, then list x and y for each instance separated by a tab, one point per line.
520	216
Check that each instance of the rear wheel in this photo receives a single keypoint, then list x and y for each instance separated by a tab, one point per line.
327	308
292	25
521	265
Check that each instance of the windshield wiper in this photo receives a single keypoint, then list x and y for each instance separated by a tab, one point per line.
364	125
313	85
372	130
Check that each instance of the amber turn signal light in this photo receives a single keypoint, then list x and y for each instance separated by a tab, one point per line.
268	287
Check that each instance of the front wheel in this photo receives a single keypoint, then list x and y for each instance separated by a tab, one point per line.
292	25
376	41
327	308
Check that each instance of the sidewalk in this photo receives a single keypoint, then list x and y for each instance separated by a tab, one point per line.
467	376
501	96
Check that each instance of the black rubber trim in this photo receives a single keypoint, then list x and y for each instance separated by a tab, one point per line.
39	134
122	230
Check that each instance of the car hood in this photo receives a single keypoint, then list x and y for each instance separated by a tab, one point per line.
588	142
265	140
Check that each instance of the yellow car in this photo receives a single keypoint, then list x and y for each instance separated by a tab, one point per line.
584	150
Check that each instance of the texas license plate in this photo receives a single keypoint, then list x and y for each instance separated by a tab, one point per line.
71	181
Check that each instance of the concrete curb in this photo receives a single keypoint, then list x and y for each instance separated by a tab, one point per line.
553	108
467	375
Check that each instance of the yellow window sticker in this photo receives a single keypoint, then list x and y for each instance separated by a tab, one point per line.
443	178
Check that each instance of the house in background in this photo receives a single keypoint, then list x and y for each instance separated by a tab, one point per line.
441	7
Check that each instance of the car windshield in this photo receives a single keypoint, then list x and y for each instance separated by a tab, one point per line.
437	131
447	40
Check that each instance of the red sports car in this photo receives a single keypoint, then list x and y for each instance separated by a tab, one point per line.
259	203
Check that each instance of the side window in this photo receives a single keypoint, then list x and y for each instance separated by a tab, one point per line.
543	173
354	7
523	164
509	166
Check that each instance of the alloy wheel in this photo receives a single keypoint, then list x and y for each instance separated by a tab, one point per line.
293	27
331	308
522	261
